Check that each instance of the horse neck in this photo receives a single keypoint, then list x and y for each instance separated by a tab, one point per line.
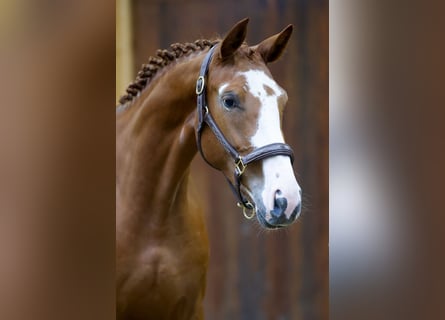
155	143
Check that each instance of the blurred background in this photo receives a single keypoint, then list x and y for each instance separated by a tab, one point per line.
386	129
254	274
57	159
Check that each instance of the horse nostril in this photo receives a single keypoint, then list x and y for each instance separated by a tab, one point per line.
280	204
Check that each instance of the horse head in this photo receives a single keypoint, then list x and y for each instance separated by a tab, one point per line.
246	105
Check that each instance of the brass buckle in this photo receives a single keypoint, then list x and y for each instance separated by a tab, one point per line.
240	167
200	85
246	207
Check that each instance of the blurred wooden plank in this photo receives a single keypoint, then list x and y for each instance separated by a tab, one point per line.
124	48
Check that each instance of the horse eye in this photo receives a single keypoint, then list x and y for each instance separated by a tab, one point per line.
229	101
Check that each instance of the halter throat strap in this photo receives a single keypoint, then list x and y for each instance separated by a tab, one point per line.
240	162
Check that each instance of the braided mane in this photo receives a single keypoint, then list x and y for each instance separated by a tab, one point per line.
163	58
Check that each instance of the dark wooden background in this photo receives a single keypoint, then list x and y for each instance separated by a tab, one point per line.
254	274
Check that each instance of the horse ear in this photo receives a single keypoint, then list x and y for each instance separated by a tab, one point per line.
234	38
272	48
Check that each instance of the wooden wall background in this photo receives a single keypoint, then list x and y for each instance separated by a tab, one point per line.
253	274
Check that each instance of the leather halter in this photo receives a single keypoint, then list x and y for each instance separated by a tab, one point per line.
241	162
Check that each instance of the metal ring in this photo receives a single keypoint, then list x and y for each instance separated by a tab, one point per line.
200	83
247	206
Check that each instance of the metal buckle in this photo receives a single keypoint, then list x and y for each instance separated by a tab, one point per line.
247	206
200	85
240	167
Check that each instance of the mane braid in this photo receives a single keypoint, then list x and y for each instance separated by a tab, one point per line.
163	58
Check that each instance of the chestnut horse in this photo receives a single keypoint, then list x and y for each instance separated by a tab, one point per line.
217	97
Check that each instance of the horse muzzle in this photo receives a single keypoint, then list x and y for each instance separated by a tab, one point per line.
280	215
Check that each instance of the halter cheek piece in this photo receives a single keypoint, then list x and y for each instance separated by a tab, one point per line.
240	162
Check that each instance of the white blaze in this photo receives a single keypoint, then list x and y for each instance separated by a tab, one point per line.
277	171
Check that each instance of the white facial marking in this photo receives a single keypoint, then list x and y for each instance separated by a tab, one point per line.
269	129
277	171
284	181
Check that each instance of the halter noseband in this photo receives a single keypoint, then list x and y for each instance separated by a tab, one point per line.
241	162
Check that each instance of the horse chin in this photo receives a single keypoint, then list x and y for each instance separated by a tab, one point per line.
264	223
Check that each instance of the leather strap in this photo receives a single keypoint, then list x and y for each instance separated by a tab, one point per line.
241	162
